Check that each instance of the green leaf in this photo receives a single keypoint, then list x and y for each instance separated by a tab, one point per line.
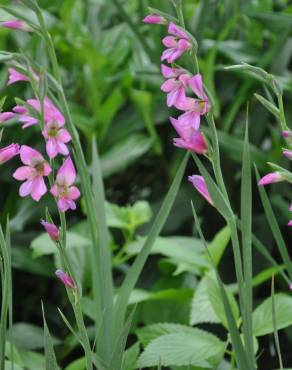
27	336
197	348
219	243
262	316
202	310
136	268
51	362
79	364
268	105
130	357
10	366
43	244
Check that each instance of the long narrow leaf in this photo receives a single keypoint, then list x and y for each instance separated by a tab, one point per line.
276	336
51	362
275	227
136	268
246	217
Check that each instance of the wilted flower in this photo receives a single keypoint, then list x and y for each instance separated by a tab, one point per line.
194	107
66	279
51	229
63	189
33	172
6	116
154	19
176	44
15	76
200	185
16	24
270	178
175	85
8	152
190	139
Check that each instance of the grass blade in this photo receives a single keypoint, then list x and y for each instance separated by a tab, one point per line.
136	268
246	217
274	227
51	362
276	336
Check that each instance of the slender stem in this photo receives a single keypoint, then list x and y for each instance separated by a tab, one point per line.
282	117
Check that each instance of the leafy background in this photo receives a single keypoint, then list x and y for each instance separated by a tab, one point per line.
111	70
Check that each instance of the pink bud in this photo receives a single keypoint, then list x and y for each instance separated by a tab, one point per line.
287	153
8	152
286	134
270	178
200	185
154	19
66	279
290	223
15	76
6	116
17	24
51	229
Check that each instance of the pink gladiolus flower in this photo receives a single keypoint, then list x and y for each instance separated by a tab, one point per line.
17	25
6	116
33	172
56	137
63	190
287	153
194	107
51	112
66	279
154	19
24	117
270	178
190	139
52	230
8	152
176	44
175	85
15	76
200	185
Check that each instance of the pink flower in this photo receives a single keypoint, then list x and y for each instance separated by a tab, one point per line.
66	279
175	85
286	134
176	44
8	152
17	24
24	116
6	116
33	172
51	112
154	19
15	76
52	230
287	153
200	185
270	178
194	107
290	223
56	137
63	190
190	139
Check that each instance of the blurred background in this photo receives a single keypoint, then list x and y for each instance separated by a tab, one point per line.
110	64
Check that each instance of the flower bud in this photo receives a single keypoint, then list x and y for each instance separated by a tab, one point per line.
52	230
66	279
287	153
6	116
270	178
16	24
200	185
155	19
287	134
8	152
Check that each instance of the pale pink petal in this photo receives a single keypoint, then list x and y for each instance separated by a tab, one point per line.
190	119
66	279
63	204
154	19
196	84
168	72
270	178
30	156
73	193
19	109
52	148
24	173
27	121
54	191
290	224
6	116
173	29
62	148
200	185
63	135
170	85
8	152
51	229
46	169
169	42
38	189
290	208
183	45
287	153
67	173
25	188
15	76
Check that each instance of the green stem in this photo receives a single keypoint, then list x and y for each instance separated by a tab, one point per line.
282	117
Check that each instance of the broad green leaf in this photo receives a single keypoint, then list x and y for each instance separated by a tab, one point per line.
9	366
43	244
202	310
197	348
130	357
219	243
262	316
79	364
27	336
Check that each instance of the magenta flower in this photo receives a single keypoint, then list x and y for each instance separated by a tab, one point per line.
270	178
66	279
15	76
17	24
63	189
200	185
190	139
6	116
52	230
24	116
176	44
194	107
56	137
51	112
8	152
33	173
154	19
286	134
287	153
175	85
